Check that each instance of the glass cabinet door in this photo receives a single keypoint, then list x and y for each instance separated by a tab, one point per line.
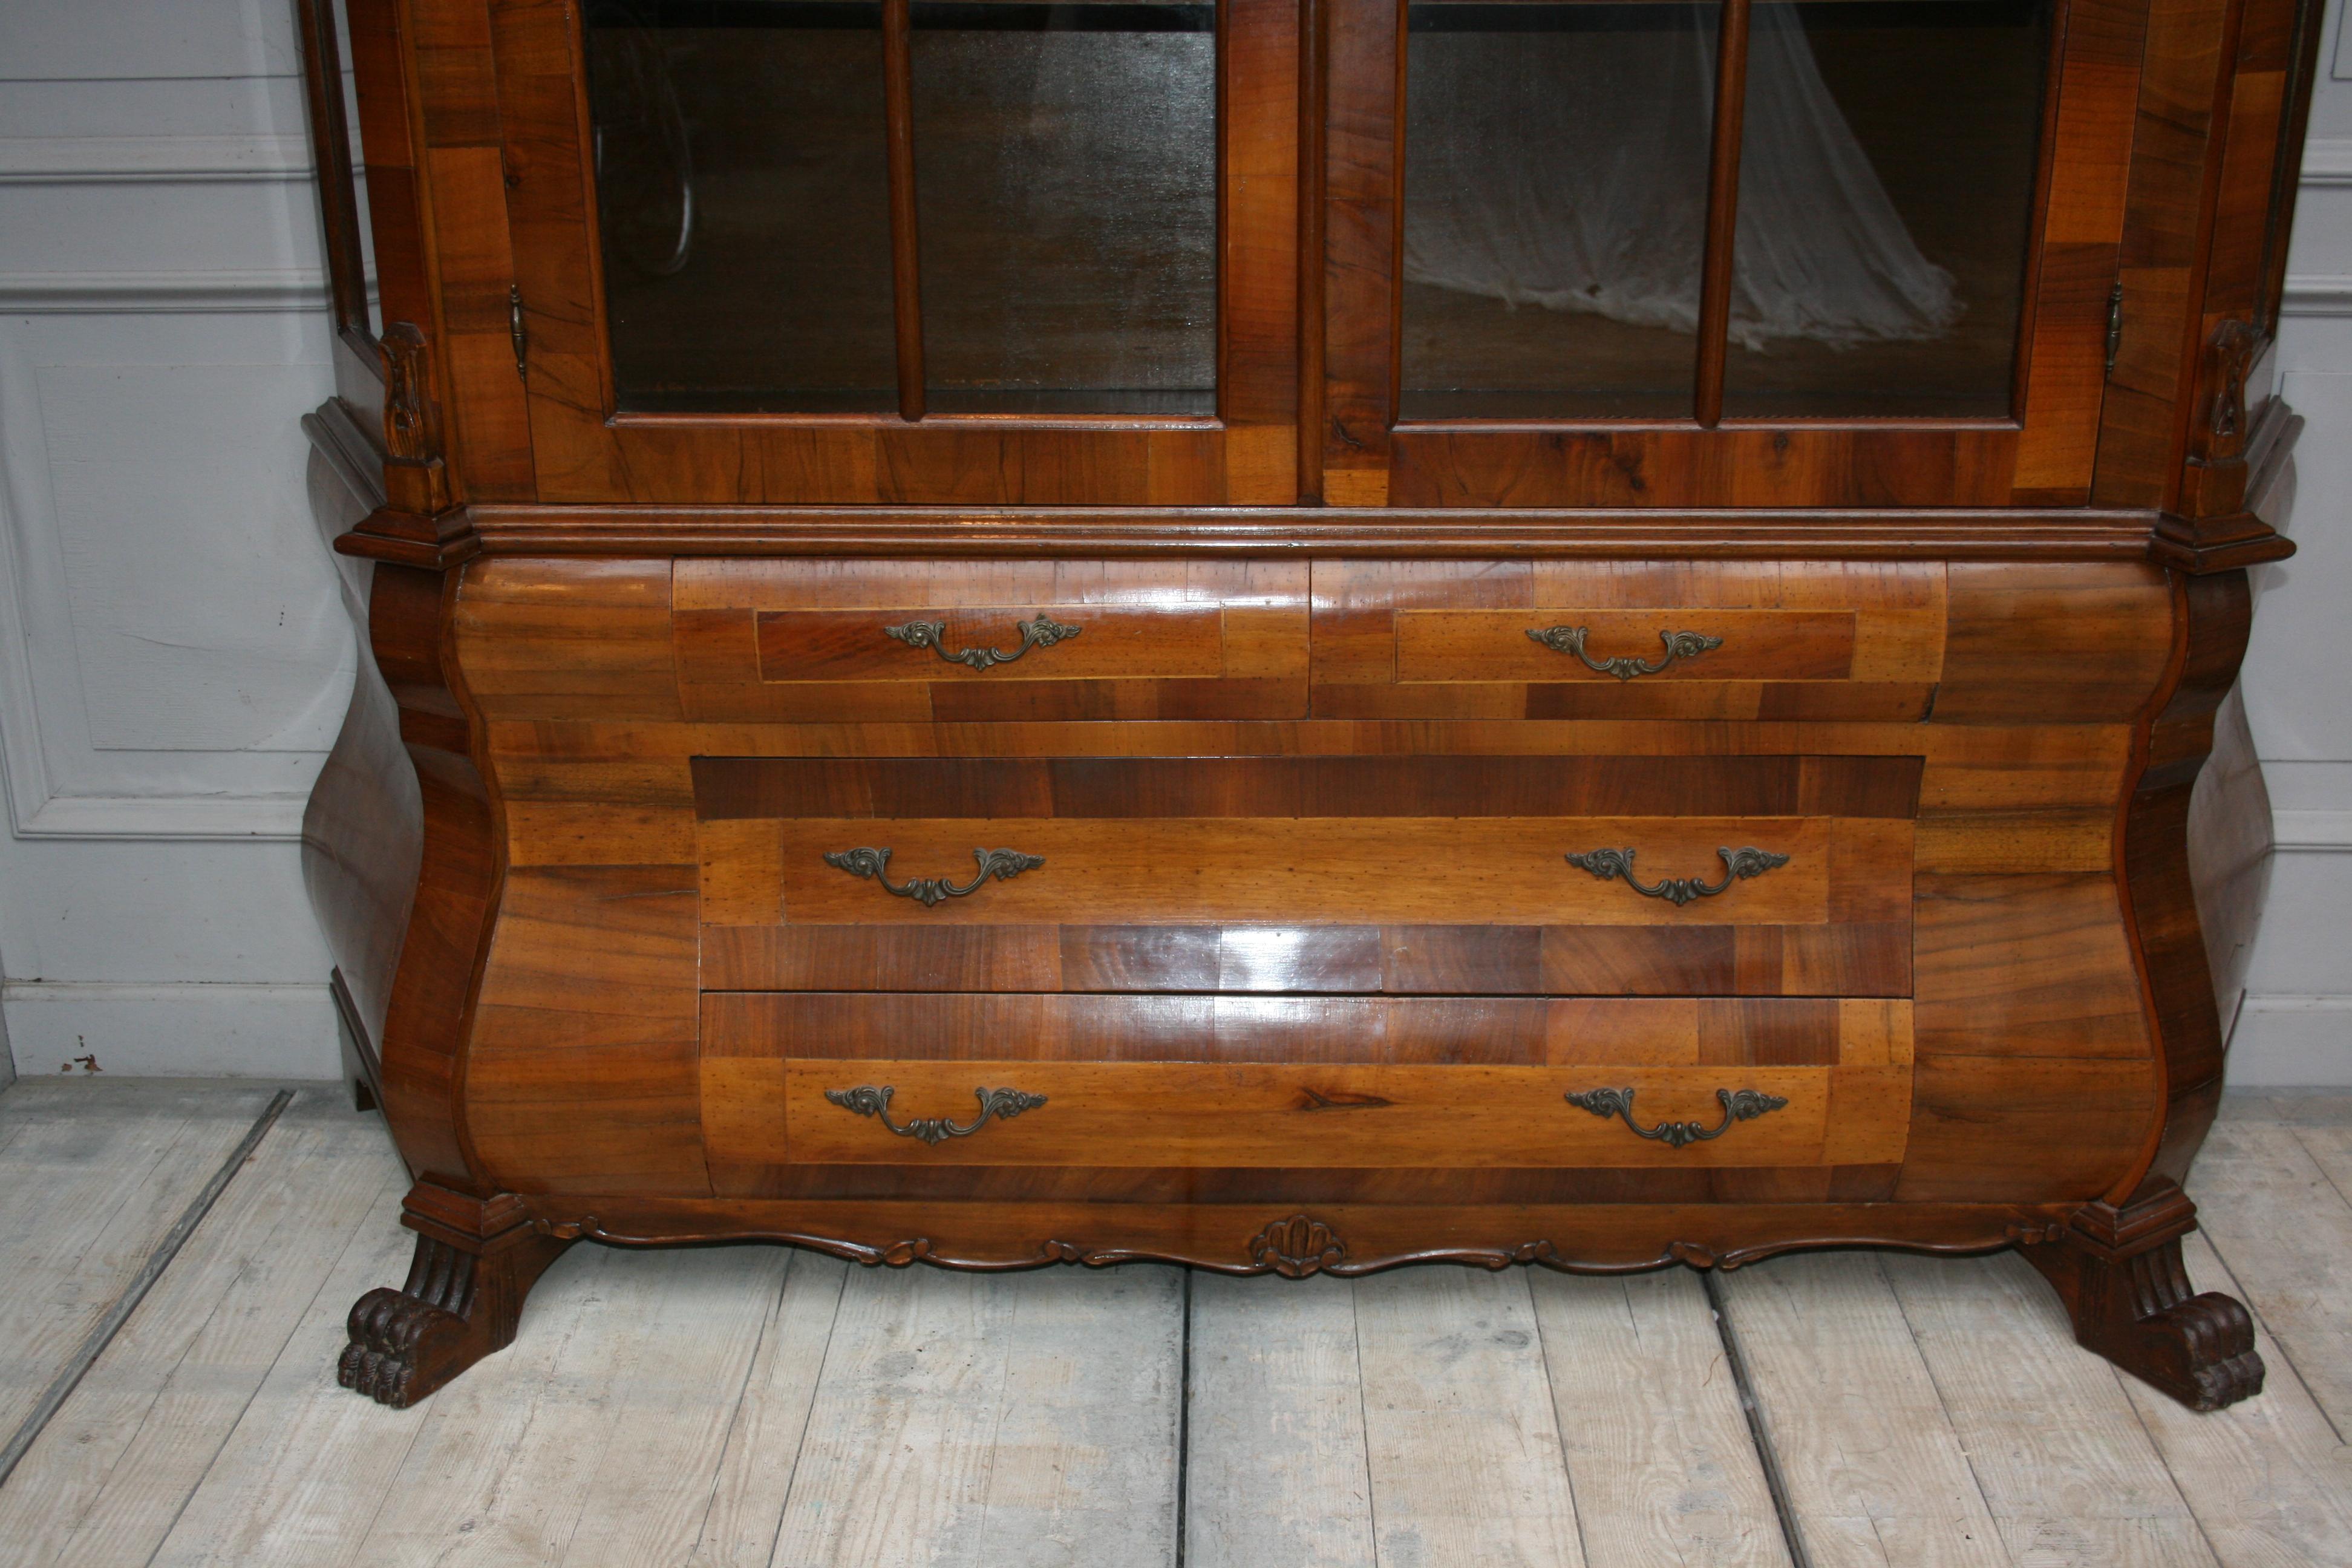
928	251
1719	252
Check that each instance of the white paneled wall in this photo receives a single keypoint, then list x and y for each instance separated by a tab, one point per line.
2295	1027
174	654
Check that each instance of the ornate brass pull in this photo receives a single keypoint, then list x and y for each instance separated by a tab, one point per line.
1739	866
1043	632
1739	1105
1002	864
1570	639
867	1100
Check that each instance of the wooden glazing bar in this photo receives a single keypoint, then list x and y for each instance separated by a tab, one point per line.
1722	209
331	135
1312	103
906	252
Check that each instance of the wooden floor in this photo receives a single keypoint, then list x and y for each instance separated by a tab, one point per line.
746	1405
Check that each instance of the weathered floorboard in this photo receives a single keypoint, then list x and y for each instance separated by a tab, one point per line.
1658	1451
2064	1464
1876	1475
1275	1470
112	1469
972	1419
92	1176
2269	1480
1464	1443
2285	1231
763	1443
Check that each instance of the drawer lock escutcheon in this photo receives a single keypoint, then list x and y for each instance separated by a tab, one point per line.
1625	666
1739	1105
929	891
871	1100
1043	632
1739	866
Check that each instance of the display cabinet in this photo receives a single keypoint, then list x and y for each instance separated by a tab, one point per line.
1294	636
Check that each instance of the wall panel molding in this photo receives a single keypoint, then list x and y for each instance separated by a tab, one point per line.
2313	832
261	818
192	1030
287	292
154	160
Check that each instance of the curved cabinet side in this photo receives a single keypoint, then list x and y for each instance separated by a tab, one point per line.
2215	618
456	884
363	830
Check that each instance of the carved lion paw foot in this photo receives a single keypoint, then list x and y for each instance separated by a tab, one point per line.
388	1328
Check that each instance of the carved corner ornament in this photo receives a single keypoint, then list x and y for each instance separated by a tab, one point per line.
414	476
2230	452
1296	1248
2229	355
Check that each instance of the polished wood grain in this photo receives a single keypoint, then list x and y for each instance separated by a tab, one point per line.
1302	783
1113	1114
1232	1030
1841	959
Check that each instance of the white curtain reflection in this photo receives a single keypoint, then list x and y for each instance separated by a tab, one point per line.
1568	169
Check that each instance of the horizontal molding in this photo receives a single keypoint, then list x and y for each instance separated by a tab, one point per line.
183	1029
154	160
2326	161
2281	1042
284	291
2318	294
2312	831
258	818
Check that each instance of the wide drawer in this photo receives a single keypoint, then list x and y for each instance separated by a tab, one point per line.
875	641
1573	639
1236	1083
1429	874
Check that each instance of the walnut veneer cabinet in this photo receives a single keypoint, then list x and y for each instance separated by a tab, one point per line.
1294	634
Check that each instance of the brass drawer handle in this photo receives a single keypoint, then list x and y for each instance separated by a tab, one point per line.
1570	639
1738	865
1043	632
867	1100
1739	1105
928	891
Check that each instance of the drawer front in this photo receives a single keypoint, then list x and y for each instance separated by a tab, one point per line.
1612	639
1526	875
1460	1085
883	641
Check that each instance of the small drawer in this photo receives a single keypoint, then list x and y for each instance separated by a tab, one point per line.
1561	1084
879	641
1581	639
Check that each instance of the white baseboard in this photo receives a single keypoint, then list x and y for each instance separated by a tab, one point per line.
191	1030
2291	1042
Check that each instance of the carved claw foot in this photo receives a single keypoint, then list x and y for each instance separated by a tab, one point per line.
463	1300
2120	1275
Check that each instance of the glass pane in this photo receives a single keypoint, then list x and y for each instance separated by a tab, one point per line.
1885	188
1555	217
742	186
372	322
1065	161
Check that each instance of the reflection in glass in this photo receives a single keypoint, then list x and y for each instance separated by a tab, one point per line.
1885	192
1066	182
1555	224
744	198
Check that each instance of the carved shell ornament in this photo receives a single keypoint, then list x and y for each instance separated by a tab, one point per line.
1296	1248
